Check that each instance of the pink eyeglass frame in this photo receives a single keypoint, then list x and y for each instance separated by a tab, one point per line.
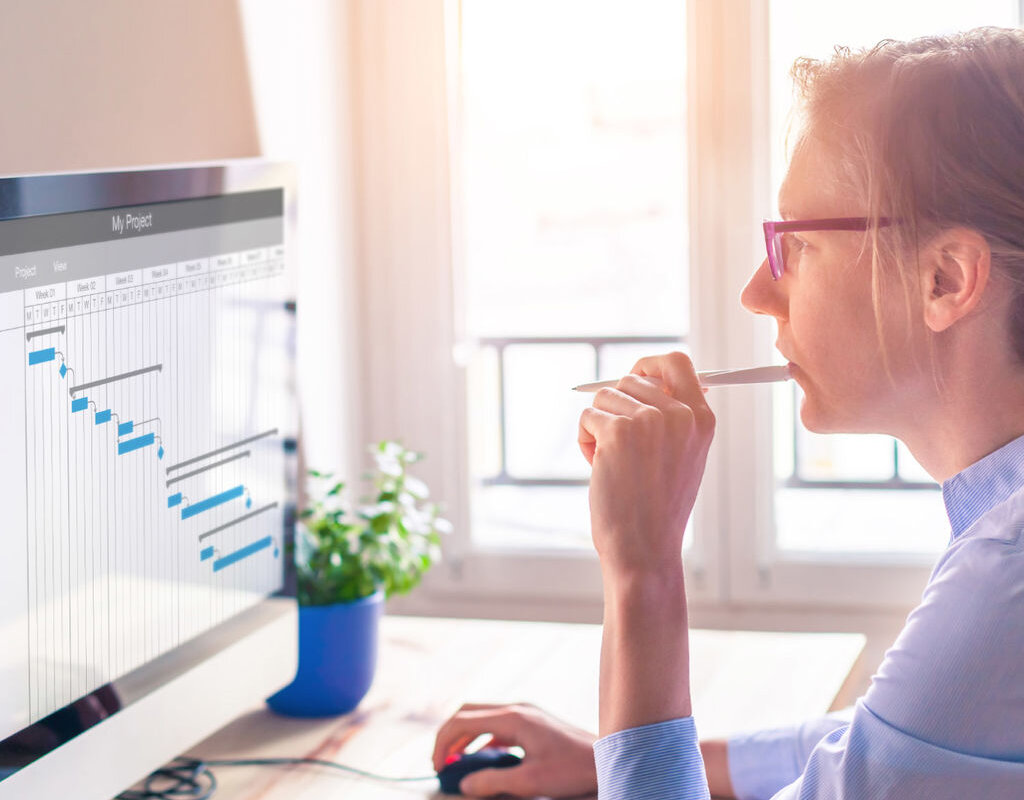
773	230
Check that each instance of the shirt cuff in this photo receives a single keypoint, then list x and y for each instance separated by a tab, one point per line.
652	762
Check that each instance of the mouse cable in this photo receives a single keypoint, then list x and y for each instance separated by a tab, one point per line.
191	779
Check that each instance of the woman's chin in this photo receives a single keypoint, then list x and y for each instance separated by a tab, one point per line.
814	416
811	417
818	417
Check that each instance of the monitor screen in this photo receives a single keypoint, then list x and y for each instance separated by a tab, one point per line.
146	336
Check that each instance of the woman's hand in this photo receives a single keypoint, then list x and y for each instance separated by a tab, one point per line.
559	760
648	445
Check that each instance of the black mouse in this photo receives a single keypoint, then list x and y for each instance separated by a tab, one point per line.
485	758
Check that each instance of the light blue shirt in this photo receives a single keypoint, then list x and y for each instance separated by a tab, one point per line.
944	716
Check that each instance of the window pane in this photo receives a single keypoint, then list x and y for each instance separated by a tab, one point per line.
910	470
534	517
821	519
844	458
540	409
572	170
618	359
573	166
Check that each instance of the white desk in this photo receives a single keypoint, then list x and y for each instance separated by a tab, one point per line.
428	667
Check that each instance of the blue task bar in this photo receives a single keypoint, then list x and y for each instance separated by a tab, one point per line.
174	500
211	502
135	444
80	404
102	416
205	553
124	428
41	356
241	553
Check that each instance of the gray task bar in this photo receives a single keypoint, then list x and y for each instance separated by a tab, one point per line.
228	460
122	376
219	450
237	520
33	334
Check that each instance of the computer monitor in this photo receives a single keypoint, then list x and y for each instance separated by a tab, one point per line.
147	475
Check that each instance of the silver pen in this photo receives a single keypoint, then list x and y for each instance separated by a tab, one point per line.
720	377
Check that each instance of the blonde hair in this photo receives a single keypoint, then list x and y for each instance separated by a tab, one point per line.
931	133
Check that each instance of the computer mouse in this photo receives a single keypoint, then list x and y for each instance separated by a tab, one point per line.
485	758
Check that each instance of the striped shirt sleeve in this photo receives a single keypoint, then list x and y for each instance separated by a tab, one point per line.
651	762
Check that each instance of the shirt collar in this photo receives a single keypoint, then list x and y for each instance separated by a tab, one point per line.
983	485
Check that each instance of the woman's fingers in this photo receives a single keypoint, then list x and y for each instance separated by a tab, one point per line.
630	396
632	393
496	741
592	422
481	706
502	722
450	749
677	374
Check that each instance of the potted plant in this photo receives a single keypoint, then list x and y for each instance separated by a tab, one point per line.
347	563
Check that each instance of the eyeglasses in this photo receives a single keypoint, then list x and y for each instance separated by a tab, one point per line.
778	244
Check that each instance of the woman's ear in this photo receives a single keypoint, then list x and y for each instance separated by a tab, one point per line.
955	272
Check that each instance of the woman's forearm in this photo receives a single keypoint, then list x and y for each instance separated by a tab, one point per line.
645	665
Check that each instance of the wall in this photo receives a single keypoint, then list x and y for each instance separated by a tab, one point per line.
110	83
300	62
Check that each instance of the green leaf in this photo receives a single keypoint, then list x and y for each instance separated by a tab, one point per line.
388	542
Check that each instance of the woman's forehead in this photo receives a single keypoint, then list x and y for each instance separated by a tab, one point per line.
814	184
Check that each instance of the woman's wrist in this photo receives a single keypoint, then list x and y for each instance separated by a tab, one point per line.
636	585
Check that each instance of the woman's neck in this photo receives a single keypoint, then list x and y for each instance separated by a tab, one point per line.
979	409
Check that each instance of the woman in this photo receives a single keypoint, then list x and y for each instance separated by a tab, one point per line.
898	290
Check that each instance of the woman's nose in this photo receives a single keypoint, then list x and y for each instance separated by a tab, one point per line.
762	295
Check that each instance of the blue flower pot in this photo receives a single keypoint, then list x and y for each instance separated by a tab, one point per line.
337	658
